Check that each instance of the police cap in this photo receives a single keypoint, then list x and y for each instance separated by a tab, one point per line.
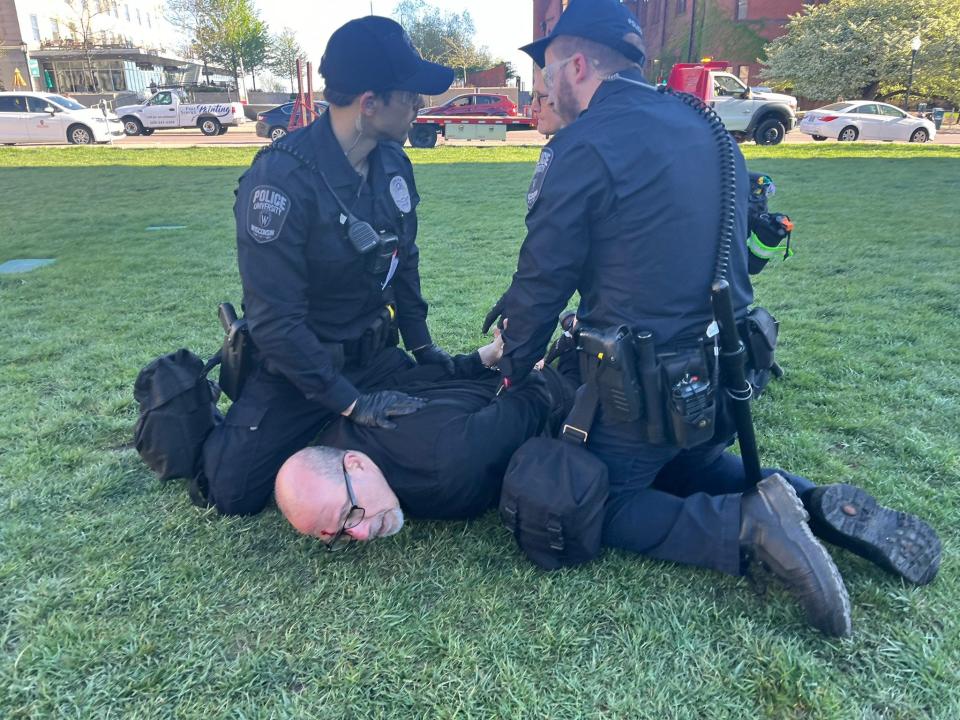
375	53
603	21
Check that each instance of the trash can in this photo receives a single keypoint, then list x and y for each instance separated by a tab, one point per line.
938	117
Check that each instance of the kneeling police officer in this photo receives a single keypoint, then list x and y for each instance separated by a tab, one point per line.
326	229
625	207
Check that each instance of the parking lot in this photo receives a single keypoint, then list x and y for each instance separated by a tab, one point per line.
246	135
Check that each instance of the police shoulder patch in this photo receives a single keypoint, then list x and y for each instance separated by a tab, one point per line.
400	193
543	165
269	207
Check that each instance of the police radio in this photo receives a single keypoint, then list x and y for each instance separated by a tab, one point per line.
380	248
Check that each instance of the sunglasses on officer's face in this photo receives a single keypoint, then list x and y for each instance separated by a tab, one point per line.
538	97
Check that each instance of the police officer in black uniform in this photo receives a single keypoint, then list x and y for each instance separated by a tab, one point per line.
326	229
624	207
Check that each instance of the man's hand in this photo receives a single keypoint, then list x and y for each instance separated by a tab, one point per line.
432	355
495	312
376	409
491	353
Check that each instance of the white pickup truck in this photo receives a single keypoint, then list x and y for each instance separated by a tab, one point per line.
170	109
765	117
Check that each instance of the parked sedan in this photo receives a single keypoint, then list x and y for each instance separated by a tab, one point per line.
866	120
273	123
35	117
474	104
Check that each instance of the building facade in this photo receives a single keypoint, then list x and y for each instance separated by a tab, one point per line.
103	47
688	30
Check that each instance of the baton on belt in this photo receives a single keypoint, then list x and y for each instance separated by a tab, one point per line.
733	358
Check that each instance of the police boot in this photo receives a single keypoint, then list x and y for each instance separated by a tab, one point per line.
774	532
899	542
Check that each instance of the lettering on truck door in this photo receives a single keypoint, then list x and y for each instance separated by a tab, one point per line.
161	111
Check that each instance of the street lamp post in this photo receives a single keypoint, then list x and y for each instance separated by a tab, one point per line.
25	49
914	48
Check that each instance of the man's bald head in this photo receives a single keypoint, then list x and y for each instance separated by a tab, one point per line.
311	492
310	488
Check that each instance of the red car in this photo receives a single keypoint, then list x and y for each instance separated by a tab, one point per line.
474	104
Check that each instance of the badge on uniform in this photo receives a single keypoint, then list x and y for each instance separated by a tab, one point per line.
268	210
400	193
543	164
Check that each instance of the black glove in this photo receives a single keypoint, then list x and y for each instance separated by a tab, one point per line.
495	312
432	355
376	409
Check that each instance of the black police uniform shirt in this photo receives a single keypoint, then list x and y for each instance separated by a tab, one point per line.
624	207
447	460
304	284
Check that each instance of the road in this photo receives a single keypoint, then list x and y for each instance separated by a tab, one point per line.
246	135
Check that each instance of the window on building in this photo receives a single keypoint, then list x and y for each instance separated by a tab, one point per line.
681	7
655	13
55	29
126	12
139	21
742	9
149	25
116	10
35	26
643	14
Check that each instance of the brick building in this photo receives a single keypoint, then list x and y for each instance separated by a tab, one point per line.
687	30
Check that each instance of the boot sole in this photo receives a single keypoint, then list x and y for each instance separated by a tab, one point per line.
784	501
896	541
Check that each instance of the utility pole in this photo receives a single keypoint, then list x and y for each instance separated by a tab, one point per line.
693	20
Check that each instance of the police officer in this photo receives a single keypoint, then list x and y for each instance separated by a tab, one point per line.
326	228
624	207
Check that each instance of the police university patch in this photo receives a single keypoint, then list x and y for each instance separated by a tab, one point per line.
543	164
269	208
400	193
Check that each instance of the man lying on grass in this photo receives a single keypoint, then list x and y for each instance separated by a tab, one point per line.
448	460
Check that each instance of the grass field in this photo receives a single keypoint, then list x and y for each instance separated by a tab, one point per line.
119	599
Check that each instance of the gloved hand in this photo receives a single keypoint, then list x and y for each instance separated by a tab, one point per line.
376	409
433	355
495	312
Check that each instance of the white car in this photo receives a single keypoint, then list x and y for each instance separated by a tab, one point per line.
34	117
866	120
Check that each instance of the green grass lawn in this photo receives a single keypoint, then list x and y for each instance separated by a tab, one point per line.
120	599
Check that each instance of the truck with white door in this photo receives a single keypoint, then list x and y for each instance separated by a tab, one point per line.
169	108
764	117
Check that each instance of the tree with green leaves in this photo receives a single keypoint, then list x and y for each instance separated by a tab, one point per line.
226	33
861	49
442	36
284	53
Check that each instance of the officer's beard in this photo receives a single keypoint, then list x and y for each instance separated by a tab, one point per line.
565	103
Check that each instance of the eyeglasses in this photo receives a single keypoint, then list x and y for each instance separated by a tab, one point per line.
405	97
549	71
538	97
354	516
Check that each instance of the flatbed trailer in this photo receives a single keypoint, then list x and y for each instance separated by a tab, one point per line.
427	128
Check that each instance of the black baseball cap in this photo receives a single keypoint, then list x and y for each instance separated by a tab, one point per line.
604	21
375	53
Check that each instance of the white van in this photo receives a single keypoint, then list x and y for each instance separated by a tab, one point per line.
34	117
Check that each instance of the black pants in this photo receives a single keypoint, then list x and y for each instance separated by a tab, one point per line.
672	504
270	422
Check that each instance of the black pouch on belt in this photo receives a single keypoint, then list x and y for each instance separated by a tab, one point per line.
690	394
759	332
